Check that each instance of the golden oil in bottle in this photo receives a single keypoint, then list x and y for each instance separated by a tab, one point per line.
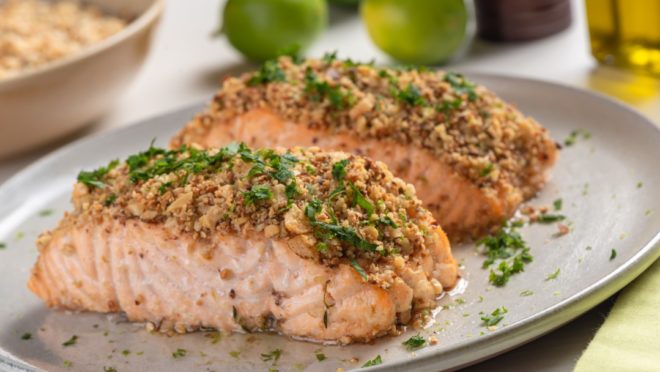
625	33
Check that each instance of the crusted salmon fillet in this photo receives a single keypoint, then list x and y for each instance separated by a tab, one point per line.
326	246
472	158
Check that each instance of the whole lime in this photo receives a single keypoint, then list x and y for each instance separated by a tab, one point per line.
416	31
260	29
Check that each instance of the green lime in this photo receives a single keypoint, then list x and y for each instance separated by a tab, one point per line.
261	29
416	31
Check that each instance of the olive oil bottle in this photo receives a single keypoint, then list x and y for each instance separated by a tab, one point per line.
626	33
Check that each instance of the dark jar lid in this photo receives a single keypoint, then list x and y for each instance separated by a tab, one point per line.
519	20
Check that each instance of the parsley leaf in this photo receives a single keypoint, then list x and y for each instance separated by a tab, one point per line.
373	362
557	204
317	91
273	356
613	254
461	85
179	353
411	95
486	170
269	72
553	275
319	355
359	199
550	218
94	178
414	342
507	251
359	269
575	134
70	342
26	336
257	193
495	317
339	170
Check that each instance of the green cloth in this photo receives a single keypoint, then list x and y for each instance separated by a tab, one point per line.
630	338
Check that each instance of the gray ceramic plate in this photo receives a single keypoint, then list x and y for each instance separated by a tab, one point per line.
608	184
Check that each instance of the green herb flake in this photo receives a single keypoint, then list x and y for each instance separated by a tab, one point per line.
557	204
359	199
46	213
487	170
20	235
414	342
575	134
109	369
257	193
269	72
179	353
553	275
640	184
26	336
495	317
215	336
110	200
319	90
234	354
410	95
359	269
373	362
70	342
460	301
506	252
273	356
330	57
461	85
94	179
319	355
339	170
67	363
3	245
612	254
526	293
549	218
126	352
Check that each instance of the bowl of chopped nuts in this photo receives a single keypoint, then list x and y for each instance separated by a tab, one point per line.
64	62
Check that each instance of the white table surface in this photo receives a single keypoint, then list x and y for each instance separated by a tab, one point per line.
186	65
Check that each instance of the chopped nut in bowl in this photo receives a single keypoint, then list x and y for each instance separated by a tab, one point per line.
64	62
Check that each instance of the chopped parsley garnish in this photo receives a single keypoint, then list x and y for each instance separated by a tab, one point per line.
495	317
179	353
447	106
359	269
461	85
359	199
70	342
109	369
257	193
273	356
329	57
415	342
550	218
526	293
553	275
487	170
45	212
639	184
507	252
339	170
573	136
215	336
94	178
319	355
557	204
110	200
373	362
3	245
26	336
269	72
411	95
126	352
387	221
317	91
613	254
235	354
67	363
332	230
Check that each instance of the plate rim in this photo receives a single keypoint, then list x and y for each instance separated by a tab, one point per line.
490	345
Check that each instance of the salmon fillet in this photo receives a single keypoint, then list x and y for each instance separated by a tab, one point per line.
472	158
189	239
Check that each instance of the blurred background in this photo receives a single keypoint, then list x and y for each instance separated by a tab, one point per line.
609	46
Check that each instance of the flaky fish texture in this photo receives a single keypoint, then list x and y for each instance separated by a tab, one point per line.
325	246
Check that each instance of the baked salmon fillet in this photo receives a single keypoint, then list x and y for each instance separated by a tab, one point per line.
326	246
471	157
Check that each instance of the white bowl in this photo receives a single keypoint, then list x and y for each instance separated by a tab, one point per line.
50	101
